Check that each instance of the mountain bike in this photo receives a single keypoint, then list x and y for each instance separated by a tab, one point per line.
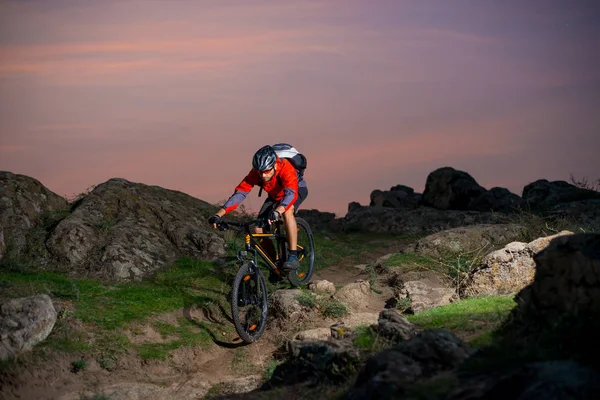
249	301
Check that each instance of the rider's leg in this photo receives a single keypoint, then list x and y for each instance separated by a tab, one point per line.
266	244
291	228
289	221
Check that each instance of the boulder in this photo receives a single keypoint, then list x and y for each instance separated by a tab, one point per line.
23	203
473	239
422	220
394	327
353	320
331	362
425	294
25	322
507	270
355	295
284	305
497	199
557	314
567	279
584	214
550	380
391	373
313	334
399	196
322	287
450	189
354	206
543	194
123	231
318	220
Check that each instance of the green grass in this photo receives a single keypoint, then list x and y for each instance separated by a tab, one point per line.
187	334
351	248
473	319
106	310
410	259
366	338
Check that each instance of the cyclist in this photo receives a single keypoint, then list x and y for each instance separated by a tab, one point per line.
278	177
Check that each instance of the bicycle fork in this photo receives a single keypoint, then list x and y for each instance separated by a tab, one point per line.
250	297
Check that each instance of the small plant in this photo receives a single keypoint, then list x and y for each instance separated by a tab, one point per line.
583	183
273	364
403	303
366	338
457	267
373	271
107	363
75	197
79	365
307	299
333	309
97	396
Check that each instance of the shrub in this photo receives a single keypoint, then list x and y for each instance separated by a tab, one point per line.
333	309
307	299
78	365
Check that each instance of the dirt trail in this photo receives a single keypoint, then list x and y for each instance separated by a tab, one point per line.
187	373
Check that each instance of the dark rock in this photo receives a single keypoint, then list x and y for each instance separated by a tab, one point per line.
583	213
402	188
316	362
318	220
400	197
390	373
354	206
418	221
566	286
543	194
394	327
551	380
23	202
450	189
497	199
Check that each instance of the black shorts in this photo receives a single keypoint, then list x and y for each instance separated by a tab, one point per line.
270	203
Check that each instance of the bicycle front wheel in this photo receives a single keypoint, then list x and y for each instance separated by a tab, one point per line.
249	303
306	255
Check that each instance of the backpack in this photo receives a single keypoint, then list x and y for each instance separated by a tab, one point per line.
289	152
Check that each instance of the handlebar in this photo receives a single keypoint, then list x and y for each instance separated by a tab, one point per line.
242	226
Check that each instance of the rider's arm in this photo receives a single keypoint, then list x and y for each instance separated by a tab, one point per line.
289	181
240	193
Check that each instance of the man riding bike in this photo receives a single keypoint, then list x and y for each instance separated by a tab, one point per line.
278	177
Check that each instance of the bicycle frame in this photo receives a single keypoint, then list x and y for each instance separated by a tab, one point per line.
252	244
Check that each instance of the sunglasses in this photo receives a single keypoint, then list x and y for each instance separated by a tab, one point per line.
266	171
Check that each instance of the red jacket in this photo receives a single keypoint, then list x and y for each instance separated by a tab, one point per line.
283	187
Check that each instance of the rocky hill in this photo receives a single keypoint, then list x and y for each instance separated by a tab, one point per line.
123	230
453	198
119	231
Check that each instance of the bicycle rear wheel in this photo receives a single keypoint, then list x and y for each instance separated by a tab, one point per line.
249	303
306	255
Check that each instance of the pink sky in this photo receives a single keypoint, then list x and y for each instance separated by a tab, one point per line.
180	94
